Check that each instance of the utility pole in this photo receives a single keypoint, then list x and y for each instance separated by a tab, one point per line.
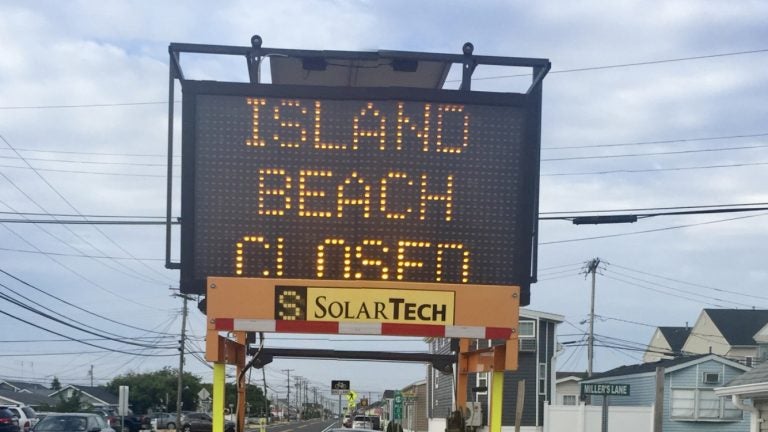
288	398
592	267
298	395
90	373
182	343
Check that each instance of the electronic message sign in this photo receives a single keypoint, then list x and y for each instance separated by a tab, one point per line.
380	184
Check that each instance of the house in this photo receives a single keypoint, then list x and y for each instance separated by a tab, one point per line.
752	385
537	345
666	342
690	402
32	399
568	387
20	386
95	396
415	407
727	332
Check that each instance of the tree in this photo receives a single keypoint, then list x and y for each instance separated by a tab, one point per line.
254	398
156	391
55	384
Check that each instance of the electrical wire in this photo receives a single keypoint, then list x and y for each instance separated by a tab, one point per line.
650	230
666	153
72	206
73	339
646	170
626	65
29	308
42	291
697	285
668	141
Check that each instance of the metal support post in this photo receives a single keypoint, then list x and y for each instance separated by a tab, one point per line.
497	397
219	375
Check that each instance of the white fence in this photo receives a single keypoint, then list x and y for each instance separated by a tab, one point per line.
583	418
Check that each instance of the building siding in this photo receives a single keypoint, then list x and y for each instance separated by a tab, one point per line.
439	390
642	393
658	344
528	366
705	338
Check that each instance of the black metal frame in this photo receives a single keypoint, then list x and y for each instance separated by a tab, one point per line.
253	57
441	362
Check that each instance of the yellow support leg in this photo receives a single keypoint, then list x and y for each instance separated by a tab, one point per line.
497	397
219	375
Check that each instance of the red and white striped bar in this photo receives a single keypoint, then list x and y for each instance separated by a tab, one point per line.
347	327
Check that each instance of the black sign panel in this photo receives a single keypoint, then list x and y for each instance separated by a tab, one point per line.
366	184
339	387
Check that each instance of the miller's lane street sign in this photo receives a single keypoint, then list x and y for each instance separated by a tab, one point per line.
605	389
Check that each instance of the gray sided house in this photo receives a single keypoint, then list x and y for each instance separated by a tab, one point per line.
752	386
537	333
690	403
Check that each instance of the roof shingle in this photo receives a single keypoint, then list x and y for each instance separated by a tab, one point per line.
738	326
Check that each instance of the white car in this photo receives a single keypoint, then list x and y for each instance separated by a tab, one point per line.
27	416
362	422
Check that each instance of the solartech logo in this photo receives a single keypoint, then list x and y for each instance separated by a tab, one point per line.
291	303
364	305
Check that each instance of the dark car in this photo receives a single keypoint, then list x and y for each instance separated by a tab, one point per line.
133	423
73	422
376	421
202	422
8	421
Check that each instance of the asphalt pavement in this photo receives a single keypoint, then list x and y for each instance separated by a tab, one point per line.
312	425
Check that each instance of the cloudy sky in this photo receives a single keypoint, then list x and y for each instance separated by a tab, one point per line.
649	105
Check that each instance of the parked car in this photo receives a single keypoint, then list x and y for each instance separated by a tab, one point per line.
8	421
376	422
362	422
73	422
27	416
202	422
133	423
163	420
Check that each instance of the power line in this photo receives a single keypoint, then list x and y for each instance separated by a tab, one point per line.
651	208
650	230
691	283
90	162
76	249
666	153
626	65
635	171
52	254
30	150
73	339
692	299
102	105
67	324
668	141
89	172
72	206
25	283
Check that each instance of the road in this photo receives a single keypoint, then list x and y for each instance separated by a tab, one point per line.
313	425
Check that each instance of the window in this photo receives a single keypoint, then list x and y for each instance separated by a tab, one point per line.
702	404
569	399
482	381
542	378
527	329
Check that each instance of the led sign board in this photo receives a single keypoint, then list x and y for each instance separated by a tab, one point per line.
352	184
